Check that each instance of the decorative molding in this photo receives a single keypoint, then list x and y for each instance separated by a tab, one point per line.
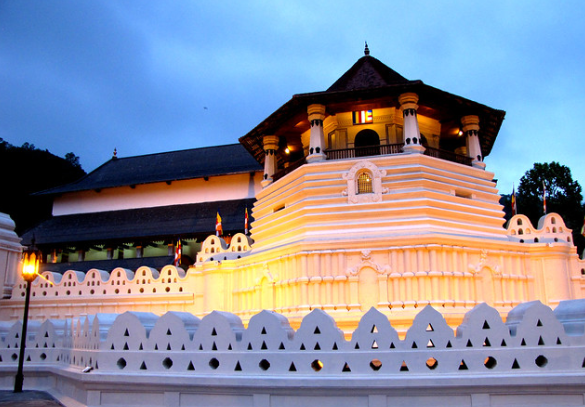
366	261
265	273
377	190
485	262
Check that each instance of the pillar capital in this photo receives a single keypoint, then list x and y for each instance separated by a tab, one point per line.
408	101
470	122
316	112
270	143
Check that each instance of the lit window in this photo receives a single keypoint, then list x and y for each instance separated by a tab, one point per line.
364	183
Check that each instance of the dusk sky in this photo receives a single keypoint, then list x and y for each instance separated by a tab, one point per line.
152	76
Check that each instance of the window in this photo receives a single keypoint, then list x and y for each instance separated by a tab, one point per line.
364	183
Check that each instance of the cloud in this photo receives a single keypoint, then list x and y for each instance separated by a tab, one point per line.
90	76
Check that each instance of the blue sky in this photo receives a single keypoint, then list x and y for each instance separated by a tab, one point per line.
151	76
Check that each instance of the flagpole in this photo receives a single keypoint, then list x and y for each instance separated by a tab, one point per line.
513	199
544	197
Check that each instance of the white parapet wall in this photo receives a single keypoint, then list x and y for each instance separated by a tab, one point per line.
536	358
10	251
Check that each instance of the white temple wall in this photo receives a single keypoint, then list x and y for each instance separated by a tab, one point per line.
396	280
314	204
219	188
536	357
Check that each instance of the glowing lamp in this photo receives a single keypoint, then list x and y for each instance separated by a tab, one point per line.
31	260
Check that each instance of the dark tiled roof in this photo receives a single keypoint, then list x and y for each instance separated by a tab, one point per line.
367	72
165	167
145	223
370	81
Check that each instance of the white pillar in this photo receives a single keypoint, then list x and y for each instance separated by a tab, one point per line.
412	139
471	130
270	148
317	136
10	253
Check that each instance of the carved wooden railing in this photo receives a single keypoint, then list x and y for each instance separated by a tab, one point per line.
281	173
368	151
447	155
343	153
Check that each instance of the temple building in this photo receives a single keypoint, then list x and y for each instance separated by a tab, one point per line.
373	193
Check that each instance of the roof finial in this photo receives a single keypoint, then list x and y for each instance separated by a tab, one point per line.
367	50
115	155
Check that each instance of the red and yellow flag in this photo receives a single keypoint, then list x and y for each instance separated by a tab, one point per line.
514	206
178	253
218	227
246	222
544	197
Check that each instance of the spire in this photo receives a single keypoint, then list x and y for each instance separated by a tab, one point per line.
367	50
115	155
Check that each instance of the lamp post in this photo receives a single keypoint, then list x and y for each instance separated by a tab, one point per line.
31	259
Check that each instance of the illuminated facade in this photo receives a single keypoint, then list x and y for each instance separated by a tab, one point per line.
373	193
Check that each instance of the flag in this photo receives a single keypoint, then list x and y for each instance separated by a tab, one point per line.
218	227
246	222
544	197
583	228
178	252
514	207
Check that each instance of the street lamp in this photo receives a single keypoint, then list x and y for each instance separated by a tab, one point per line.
31	259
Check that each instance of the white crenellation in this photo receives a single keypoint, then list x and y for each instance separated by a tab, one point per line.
532	340
551	229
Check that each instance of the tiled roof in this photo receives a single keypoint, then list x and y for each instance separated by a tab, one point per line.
144	223
371	81
367	72
165	167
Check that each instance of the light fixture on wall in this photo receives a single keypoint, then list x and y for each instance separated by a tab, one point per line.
31	259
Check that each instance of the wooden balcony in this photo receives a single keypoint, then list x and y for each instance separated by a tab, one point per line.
366	151
369	151
448	155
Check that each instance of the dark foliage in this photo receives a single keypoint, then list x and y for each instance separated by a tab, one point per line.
26	170
506	202
563	196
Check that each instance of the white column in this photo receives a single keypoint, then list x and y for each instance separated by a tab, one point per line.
412	140
471	130
270	147
10	253
317	136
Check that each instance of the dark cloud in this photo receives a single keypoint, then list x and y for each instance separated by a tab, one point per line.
156	76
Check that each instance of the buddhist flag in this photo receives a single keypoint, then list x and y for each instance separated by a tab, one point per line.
544	197
178	252
246	222
514	206
218	227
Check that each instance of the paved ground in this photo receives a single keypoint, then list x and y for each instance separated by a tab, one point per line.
28	398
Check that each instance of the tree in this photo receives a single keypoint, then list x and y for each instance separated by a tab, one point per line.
73	160
563	196
26	170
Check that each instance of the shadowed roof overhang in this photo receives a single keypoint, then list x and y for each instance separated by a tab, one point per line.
437	104
131	225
